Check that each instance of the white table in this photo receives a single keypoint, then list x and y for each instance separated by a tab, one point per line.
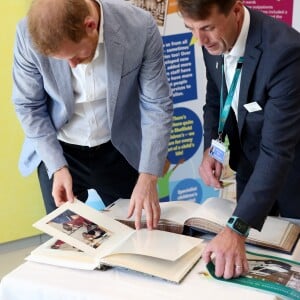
35	281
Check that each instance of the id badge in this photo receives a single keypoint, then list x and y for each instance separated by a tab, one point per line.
217	151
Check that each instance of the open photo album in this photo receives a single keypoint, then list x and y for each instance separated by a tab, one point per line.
210	217
85	238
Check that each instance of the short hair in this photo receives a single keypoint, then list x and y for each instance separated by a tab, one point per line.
52	21
201	9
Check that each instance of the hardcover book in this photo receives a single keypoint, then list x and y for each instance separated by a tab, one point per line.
210	217
88	239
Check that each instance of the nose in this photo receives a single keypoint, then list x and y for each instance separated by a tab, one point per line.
201	37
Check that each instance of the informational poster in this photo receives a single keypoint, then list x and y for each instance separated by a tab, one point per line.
279	9
180	65
184	66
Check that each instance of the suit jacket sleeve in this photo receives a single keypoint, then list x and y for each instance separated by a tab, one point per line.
156	105
31	103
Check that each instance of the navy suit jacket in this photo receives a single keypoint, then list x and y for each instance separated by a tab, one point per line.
265	148
139	100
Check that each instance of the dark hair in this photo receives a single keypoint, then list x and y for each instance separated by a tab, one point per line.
201	9
50	22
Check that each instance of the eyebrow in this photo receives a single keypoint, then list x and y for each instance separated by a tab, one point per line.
201	28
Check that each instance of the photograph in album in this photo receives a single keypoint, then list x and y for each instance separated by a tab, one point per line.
80	228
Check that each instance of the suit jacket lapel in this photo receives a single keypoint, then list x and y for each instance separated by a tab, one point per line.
63	79
221	75
251	59
114	62
114	53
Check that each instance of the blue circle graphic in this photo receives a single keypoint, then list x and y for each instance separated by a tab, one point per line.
187	190
186	135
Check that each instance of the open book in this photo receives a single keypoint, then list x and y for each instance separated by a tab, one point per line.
87	239
268	273
211	216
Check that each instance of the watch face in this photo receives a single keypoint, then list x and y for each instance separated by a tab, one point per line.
240	226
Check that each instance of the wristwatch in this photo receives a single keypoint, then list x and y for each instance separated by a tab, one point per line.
238	226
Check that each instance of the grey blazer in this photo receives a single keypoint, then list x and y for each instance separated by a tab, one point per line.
139	101
265	149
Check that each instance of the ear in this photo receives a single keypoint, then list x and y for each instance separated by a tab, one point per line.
90	25
238	9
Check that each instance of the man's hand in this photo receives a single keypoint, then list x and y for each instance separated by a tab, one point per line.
62	187
210	171
228	252
144	196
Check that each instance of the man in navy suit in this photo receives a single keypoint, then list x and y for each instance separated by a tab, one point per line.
256	60
91	93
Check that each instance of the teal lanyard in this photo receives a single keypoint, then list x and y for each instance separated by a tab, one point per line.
224	110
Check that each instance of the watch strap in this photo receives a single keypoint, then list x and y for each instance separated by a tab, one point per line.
238	225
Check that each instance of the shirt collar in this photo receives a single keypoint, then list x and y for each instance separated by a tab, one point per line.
238	49
101	37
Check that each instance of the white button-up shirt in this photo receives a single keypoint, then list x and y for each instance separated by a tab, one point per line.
89	123
231	59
